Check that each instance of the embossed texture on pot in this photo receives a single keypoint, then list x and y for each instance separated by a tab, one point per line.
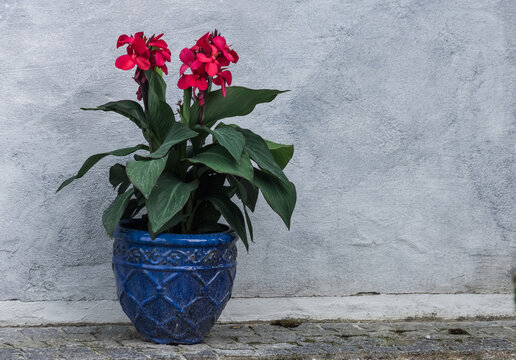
175	287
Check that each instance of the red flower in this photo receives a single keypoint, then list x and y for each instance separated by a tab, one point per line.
145	54
137	53
206	60
224	77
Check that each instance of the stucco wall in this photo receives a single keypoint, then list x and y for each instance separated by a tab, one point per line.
402	114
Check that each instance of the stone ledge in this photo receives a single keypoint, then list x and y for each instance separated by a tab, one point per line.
367	307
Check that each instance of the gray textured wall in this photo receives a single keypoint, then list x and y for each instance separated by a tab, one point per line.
402	113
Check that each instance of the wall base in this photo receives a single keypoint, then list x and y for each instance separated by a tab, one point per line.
370	307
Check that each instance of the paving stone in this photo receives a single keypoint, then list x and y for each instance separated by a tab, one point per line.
200	355
12	335
499	344
80	352
121	353
275	349
41	354
162	354
79	333
236	353
230	331
10	354
117	332
310	340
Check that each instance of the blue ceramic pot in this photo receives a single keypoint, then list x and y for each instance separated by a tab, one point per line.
173	288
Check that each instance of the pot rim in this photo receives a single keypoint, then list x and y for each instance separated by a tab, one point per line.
125	233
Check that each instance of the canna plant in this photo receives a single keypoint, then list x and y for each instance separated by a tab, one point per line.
194	169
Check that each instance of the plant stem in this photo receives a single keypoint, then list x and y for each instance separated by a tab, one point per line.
187	97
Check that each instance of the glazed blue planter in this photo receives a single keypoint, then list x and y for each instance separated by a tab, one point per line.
173	288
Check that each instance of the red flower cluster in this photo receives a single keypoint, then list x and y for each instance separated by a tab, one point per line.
144	53
206	59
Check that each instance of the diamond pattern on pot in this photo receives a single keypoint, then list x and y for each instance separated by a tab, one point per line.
170	301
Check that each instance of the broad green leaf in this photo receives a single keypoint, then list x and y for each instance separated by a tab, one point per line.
249	224
114	212
281	196
158	84
144	174
128	108
167	198
117	176
231	213
176	219
238	101
177	133
281	153
246	191
258	151
220	160
160	115
231	139
92	160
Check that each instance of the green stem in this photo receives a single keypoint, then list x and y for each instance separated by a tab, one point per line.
187	98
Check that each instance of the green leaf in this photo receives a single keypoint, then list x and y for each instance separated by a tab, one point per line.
158	84
231	213
239	101
167	198
231	139
246	191
220	160
258	150
128	108
281	153
92	160
176	219
160	115
177	133
114	212
117	176
281	196
249	224
144	174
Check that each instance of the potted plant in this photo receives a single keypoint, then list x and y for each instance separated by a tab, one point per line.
174	262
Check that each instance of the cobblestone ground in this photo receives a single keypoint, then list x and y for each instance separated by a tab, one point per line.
284	340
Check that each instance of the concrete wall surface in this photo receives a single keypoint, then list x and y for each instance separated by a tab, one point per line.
402	113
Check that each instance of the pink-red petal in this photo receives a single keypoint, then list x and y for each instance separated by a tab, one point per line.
166	54
211	68
184	82
219	42
226	75
184	67
223	85
234	54
125	62
158	58
196	65
158	43
140	47
203	58
201	83
124	39
186	56
142	63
